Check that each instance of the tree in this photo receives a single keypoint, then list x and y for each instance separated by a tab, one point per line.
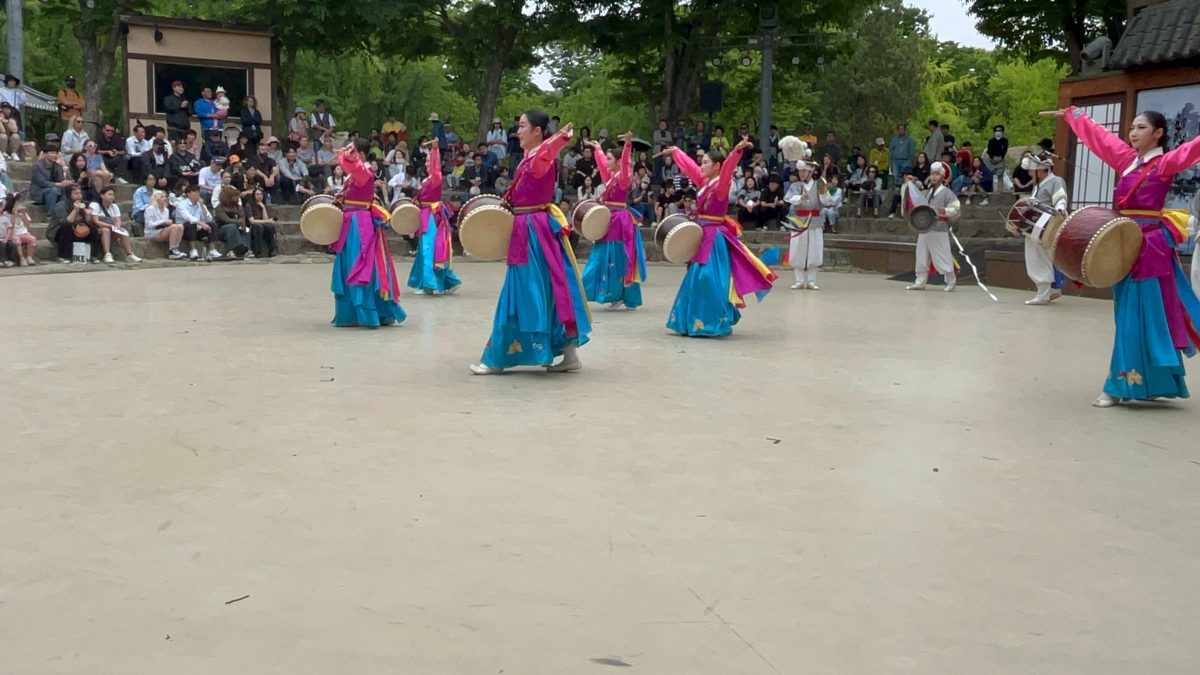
877	80
663	45
1033	28
96	25
1019	91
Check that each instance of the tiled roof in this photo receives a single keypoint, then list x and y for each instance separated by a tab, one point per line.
1160	34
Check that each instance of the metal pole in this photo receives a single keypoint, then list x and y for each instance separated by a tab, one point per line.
766	84
16	38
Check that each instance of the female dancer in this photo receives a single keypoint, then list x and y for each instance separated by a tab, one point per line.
541	312
431	271
723	271
365	289
617	264
1155	309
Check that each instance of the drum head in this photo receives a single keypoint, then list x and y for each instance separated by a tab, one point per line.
321	224
594	223
1112	253
682	242
406	218
485	232
922	218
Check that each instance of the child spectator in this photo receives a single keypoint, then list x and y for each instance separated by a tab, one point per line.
15	224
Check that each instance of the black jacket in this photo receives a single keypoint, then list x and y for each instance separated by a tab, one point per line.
179	164
214	149
252	124
997	147
178	116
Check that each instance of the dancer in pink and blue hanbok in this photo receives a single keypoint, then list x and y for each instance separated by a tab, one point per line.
365	289
616	265
1155	309
431	271
542	313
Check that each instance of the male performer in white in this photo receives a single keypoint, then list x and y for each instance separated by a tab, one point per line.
1051	191
935	243
806	252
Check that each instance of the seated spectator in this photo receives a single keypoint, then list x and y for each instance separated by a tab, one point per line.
267	167
14	229
248	178
830	214
668	201
214	146
960	171
872	193
6	184
589	190
72	222
274	151
503	181
570	161
157	163
197	223
687	205
108	216
177	198
215	199
336	182
669	171
161	227
192	143
79	174
74	137
262	222
47	182
326	159
305	153
243	148
142	198
455	176
402	183
10	134
298	125
981	182
828	167
1021	178
771	205
231	224
110	146
641	200
293	179
396	160
182	165
209	178
747	202
858	178
586	168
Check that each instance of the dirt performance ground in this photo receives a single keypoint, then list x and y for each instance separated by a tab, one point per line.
200	474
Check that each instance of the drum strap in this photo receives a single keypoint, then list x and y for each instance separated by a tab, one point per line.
1141	179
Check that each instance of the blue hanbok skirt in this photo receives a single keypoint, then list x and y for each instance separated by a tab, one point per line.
526	330
423	275
702	306
604	274
360	305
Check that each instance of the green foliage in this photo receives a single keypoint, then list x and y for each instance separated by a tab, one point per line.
1019	91
878	80
1058	29
941	94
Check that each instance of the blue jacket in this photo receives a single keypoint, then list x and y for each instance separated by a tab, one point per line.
903	150
203	108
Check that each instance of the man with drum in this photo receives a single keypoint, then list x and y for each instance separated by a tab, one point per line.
1051	191
934	245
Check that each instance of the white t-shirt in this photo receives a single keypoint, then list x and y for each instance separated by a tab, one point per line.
155	217
210	179
114	211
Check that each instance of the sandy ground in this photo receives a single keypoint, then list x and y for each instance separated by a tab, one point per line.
860	480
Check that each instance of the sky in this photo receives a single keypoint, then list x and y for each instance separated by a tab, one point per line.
947	18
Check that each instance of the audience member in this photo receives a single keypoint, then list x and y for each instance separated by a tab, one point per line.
336	180
589	190
252	119
209	178
161	227
108	220
206	111
901	152
10	134
830	214
70	102
14	228
981	182
197	223
214	146
934	143
47	181
997	150
262	222
178	116
15	97
156	162
293	179
142	199
72	222
872	193
183	165
74	137
231	224
322	123
747	202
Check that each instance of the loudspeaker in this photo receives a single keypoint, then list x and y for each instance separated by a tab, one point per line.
710	96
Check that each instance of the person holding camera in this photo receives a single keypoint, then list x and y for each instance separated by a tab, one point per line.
72	222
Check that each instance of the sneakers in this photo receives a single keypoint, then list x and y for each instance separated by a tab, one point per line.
31	261
15	157
7	263
798	286
569	364
984	202
915	287
950	287
891	215
249	254
230	256
812	286
64	261
108	259
1055	293
1037	300
176	254
615	305
133	258
420	291
452	290
193	255
480	369
121	181
1104	401
214	254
